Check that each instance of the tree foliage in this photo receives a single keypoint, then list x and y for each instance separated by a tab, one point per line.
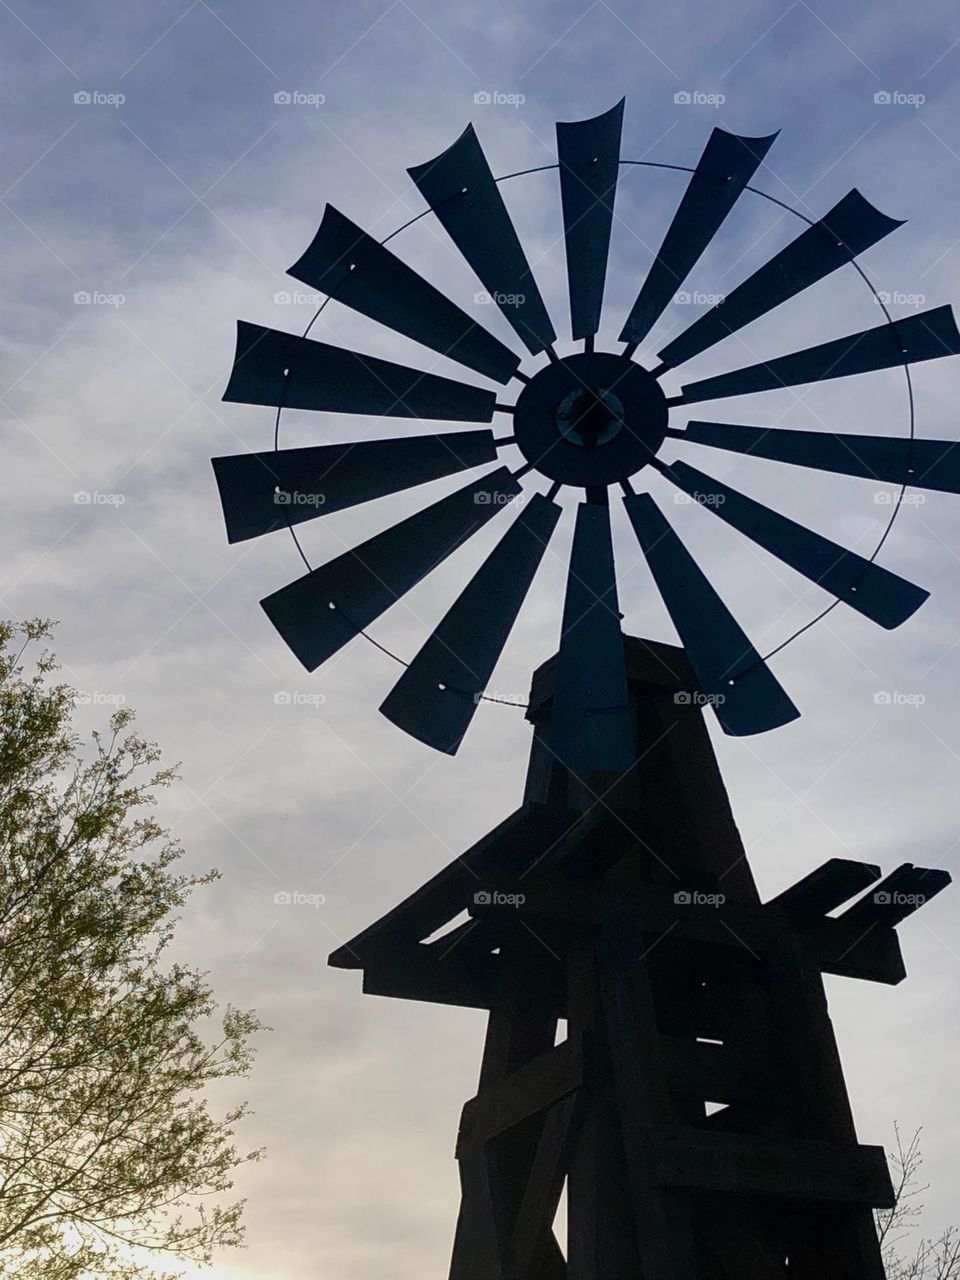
108	1142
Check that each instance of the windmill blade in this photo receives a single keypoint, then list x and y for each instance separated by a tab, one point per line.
437	696
726	166
277	368
926	336
847	230
318	613
739	685
277	488
590	728
349	265
925	464
460	189
589	156
878	594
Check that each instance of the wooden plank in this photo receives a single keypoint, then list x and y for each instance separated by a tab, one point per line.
829	886
755	1166
834	1242
519	840
538	1208
533	1087
481	1249
840	946
406	973
897	896
661	1219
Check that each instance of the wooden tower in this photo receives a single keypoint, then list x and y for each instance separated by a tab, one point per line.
658	1038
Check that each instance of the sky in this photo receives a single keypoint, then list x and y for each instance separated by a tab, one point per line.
161	166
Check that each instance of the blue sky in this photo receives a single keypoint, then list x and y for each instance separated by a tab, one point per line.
178	209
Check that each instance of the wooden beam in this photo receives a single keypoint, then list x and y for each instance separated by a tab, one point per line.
532	1088
538	1208
897	896
829	886
406	973
718	1072
749	1165
841	946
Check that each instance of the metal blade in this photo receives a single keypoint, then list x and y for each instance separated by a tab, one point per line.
848	229
277	368
926	336
436	697
737	683
726	166
590	729
349	265
277	488
878	594
589	155
460	189
318	613
925	464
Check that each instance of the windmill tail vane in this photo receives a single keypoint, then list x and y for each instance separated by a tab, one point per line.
592	420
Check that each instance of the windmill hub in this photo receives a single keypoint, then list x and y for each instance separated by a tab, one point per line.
593	418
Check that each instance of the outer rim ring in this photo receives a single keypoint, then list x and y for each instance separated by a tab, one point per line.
679	168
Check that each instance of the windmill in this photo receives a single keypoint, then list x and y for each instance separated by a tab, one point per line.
695	1107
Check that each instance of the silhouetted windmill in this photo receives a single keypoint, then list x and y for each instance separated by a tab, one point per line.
696	1107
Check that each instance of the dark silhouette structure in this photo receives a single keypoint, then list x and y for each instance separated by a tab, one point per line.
693	1099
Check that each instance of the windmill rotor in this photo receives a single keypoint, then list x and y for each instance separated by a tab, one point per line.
593	420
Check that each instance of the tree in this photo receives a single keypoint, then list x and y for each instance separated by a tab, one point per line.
108	1144
930	1259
